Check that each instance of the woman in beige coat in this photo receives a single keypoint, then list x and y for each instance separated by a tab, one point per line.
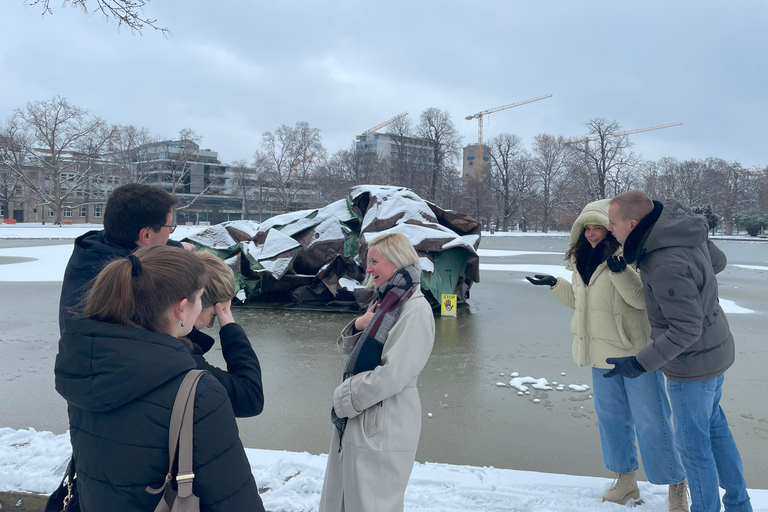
376	409
610	321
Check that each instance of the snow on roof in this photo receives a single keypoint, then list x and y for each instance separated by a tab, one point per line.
249	227
284	219
389	202
215	237
349	284
277	267
418	234
277	243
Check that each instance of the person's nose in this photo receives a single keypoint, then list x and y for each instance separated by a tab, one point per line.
369	269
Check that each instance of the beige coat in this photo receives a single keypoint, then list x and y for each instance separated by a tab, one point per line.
609	318
372	469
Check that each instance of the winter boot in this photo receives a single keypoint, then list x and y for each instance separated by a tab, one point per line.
623	489
678	497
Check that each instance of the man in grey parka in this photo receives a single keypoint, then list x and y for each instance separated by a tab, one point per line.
692	342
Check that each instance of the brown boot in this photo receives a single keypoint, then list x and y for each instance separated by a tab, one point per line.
678	497
623	489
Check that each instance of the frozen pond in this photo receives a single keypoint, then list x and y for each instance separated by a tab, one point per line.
508	326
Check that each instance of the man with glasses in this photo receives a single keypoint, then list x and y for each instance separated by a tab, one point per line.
136	215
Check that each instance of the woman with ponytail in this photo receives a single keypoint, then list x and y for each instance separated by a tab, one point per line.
120	366
376	409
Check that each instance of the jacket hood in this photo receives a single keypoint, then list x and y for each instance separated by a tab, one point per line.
594	213
95	246
102	366
677	226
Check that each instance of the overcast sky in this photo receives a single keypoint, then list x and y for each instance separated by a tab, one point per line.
233	69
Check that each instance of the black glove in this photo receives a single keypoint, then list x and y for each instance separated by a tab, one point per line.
625	366
541	279
616	263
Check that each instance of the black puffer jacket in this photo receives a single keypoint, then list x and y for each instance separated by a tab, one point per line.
242	380
691	337
92	252
120	384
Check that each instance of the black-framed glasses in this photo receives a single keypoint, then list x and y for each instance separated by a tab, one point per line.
171	228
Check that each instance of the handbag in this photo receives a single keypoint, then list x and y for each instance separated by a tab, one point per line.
64	498
180	499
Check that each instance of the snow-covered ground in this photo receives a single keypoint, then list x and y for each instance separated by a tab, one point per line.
28	231
32	461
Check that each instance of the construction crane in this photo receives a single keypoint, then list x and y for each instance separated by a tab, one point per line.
586	140
479	117
385	123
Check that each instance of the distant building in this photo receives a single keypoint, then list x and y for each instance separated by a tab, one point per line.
196	176
469	161
419	153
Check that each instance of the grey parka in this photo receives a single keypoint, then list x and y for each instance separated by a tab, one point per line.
691	337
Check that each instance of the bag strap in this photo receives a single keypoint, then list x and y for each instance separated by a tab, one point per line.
185	476
182	420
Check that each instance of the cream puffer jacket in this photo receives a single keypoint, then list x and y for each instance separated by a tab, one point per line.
610	318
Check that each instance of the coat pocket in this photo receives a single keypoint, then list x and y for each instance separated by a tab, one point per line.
371	420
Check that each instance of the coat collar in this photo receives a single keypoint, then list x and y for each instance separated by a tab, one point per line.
633	245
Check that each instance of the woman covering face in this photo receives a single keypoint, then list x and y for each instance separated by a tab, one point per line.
376	412
120	367
609	321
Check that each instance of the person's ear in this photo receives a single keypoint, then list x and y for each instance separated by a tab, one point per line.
632	224
178	309
144	235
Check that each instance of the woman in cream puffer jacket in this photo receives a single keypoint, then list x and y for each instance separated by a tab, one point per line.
609	318
610	321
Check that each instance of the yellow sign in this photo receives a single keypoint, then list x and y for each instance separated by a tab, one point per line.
448	305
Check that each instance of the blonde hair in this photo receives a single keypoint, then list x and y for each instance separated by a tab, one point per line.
633	205
221	280
140	295
396	249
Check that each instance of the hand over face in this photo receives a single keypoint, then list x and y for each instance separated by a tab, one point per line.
224	313
542	279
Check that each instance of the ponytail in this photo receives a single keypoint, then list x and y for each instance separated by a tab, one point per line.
139	290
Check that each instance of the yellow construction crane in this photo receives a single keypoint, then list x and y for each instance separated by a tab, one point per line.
586	140
385	123
479	117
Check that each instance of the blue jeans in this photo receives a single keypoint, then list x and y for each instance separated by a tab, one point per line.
707	447
626	407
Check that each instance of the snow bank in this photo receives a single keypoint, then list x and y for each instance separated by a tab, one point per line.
32	461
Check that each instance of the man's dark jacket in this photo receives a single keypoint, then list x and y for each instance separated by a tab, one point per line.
120	384
92	252
691	337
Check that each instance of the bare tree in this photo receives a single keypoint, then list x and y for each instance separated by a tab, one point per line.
436	125
347	168
124	148
608	161
288	158
512	173
730	182
402	164
247	187
549	164
56	149
128	13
